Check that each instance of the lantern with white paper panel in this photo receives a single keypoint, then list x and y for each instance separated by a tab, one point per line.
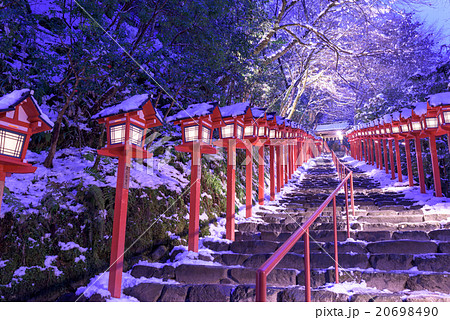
126	124
20	118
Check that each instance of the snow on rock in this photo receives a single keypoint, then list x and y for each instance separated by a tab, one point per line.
3	263
234	110
131	104
420	108
439	99
193	110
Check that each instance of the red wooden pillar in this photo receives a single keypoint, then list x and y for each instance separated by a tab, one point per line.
285	164
248	180
366	149
231	189
119	226
435	165
194	211
261	175
278	161
372	152
380	155
291	160
391	157
385	146
272	172
408	163
420	164
399	164
2	187
360	149
375	153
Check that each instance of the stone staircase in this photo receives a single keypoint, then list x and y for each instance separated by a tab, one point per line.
396	251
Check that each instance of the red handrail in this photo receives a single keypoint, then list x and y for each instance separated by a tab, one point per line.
271	263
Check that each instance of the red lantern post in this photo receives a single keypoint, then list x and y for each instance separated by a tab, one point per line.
197	123
20	118
126	125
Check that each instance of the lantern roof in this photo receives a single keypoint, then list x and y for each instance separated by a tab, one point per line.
234	110
270	115
135	103
396	116
194	110
10	101
288	122
406	113
258	112
439	99
280	120
420	108
387	118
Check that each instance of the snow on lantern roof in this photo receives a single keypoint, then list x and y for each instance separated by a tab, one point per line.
406	113
131	104
270	115
258	112
194	110
288	122
439	99
396	116
280	120
381	121
9	102
420	108
375	122
237	109
387	118
342	125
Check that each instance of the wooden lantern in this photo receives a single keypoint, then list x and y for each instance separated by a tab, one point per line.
126	126
20	118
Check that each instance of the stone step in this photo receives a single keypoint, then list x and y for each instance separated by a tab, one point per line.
391	218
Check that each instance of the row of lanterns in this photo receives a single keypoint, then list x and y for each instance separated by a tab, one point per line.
426	120
127	123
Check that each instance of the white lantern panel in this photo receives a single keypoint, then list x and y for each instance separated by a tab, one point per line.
11	143
261	132
416	126
206	134
383	131
228	131
117	134
248	131
272	134
240	132
136	135
191	133
405	128
431	122
447	117
395	129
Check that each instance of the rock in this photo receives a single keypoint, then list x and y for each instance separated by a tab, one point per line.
143	271
200	274
402	246
217	245
96	297
346	247
371	236
444	247
271	227
278	277
430	282
438	262
249	227
391	261
410	235
68	297
252	247
324	261
232	259
247	293
427	298
174	293
385	280
209	293
243	236
159	253
442	234
296	294
376	297
145	292
318	295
